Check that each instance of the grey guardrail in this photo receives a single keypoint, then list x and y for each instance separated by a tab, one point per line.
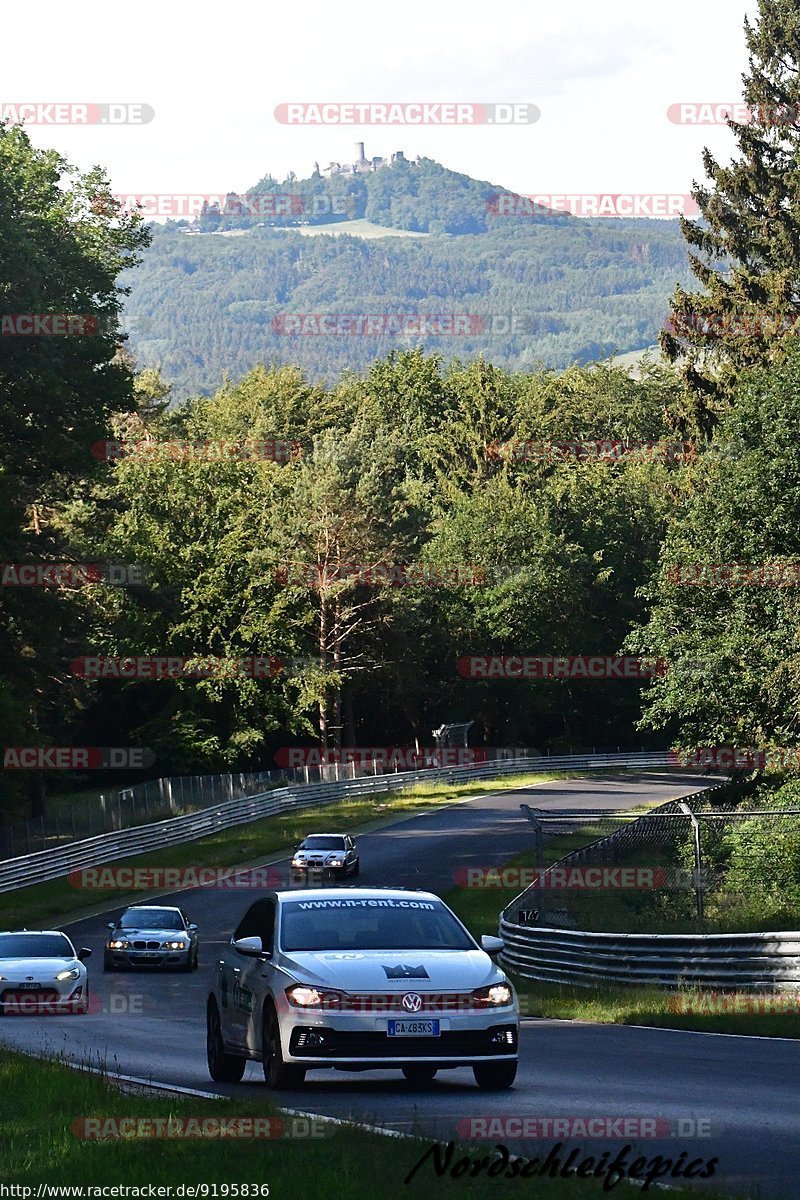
725	960
59	861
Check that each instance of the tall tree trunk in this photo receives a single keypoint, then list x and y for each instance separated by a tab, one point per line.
337	694
37	793
349	719
323	666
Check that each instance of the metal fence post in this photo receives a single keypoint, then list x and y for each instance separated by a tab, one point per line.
698	860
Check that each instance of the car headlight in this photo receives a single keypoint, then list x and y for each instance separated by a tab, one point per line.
309	997
119	944
493	996
298	862
175	945
336	862
72	973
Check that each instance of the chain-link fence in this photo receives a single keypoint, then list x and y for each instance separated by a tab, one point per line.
71	818
722	860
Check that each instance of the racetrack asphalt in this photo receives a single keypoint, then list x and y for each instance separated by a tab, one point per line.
739	1093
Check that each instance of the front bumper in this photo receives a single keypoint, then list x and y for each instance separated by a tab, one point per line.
316	875
48	1001
362	1040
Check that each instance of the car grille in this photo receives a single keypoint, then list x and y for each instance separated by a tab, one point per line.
436	1002
322	1042
140	945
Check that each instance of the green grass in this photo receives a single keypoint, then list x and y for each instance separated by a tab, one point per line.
40	1101
713	1012
54	901
357	228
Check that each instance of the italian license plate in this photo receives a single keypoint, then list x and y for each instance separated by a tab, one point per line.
405	1028
149	954
29	987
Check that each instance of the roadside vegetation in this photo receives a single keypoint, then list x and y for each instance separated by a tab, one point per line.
42	1103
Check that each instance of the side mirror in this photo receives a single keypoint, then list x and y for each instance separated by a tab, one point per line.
84	953
491	945
111	925
192	927
251	946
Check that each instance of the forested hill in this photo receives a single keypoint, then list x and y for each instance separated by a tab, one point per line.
217	295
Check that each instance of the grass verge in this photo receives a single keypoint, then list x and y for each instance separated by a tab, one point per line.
42	1101
245	844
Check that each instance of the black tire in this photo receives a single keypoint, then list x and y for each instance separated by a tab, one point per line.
222	1066
278	1075
495	1076
195	960
357	868
420	1075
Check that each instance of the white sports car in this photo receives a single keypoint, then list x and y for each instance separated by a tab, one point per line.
40	972
360	979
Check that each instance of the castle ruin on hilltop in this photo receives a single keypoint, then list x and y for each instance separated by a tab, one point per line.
361	166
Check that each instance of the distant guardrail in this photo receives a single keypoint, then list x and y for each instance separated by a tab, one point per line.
729	961
59	861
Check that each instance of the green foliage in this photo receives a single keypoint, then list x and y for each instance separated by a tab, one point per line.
745	248
62	249
736	678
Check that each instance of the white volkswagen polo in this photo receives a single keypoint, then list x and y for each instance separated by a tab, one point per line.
360	979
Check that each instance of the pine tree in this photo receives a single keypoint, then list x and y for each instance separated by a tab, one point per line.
745	249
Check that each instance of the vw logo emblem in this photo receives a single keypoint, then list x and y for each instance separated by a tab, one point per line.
412	1002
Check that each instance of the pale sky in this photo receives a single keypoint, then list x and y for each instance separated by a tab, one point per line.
603	76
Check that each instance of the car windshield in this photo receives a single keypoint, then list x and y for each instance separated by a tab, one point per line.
35	945
371	924
322	842
151	918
